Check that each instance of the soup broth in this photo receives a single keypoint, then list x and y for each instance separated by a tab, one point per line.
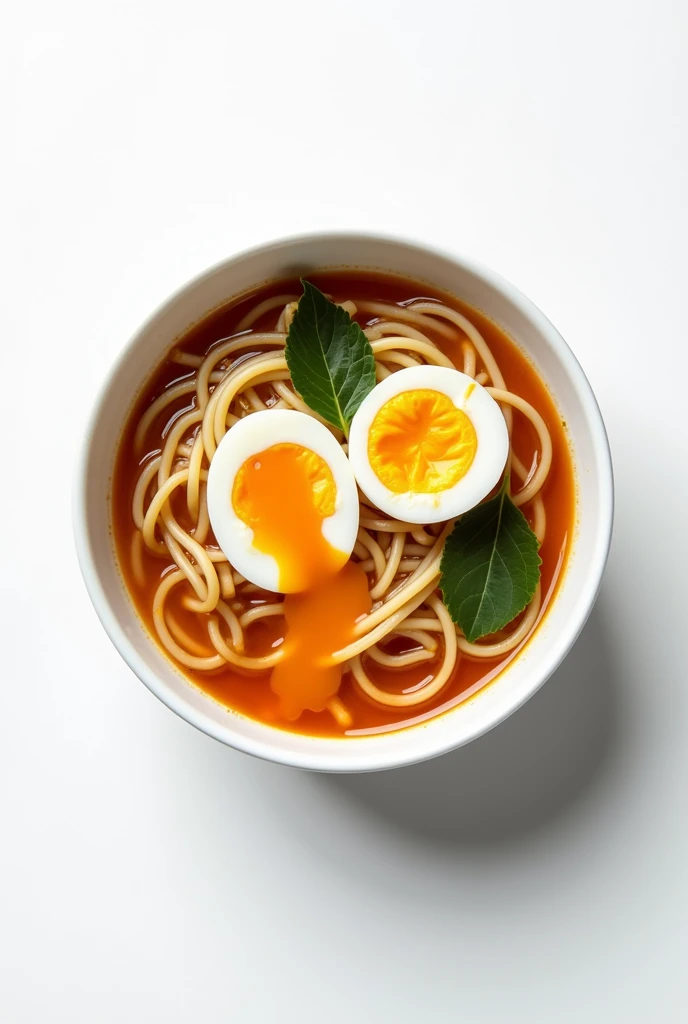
147	560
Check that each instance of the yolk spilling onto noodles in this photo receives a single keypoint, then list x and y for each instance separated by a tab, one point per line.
319	622
420	442
284	494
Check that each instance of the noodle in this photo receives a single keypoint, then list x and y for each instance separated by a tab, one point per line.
535	481
468	359
227	587
247	372
264	307
225	349
426	348
338	711
433	685
405	313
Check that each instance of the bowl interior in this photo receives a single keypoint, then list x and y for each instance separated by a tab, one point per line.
572	394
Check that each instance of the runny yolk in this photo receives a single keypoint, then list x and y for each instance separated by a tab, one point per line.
284	494
319	622
420	442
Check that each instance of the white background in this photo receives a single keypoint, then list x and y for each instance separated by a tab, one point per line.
149	874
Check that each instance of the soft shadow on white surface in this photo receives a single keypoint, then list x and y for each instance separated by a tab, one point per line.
517	778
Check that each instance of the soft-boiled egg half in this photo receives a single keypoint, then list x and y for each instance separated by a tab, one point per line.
282	500
428	443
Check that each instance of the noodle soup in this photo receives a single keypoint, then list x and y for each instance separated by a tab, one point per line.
374	644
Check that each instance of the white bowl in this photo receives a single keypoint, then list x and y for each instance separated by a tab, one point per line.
576	595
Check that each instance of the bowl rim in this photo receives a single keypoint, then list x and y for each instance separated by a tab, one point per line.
552	655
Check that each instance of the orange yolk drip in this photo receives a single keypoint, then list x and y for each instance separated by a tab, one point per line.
319	622
420	442
284	494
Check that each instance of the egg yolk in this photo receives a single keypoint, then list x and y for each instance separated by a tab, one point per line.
284	494
420	442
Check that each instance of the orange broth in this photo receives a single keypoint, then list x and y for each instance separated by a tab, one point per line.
252	694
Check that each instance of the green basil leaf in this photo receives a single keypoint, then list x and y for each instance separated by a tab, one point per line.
490	567
330	360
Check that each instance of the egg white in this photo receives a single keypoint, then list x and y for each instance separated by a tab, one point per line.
251	435
483	473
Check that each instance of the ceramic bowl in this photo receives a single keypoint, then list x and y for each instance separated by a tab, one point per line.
557	365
